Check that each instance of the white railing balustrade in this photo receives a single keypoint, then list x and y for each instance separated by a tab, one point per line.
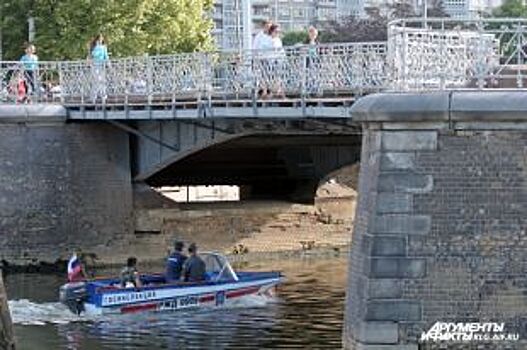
435	54
297	72
439	54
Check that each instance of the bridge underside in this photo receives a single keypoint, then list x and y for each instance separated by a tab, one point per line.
263	165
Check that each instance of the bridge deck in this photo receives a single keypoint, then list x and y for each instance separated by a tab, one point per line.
288	107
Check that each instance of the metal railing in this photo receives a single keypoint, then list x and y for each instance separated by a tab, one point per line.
298	72
439	54
433	55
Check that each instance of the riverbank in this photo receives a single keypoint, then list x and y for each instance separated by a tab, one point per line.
156	265
243	230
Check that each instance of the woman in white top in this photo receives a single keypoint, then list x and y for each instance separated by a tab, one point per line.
262	37
276	41
263	59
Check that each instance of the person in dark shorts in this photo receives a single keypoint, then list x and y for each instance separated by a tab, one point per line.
175	262
194	267
129	274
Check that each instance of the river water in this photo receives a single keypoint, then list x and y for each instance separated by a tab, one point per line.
306	314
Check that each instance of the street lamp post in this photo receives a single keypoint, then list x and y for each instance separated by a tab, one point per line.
425	12
31	28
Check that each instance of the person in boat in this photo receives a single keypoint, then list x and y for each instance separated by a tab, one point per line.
76	271
129	274
175	263
194	266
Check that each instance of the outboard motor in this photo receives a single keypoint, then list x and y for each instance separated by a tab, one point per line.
73	295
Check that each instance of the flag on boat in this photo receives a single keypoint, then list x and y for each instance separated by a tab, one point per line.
74	269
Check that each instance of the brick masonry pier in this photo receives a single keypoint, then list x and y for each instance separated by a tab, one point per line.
64	185
440	228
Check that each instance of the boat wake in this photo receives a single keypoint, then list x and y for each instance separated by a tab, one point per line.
26	312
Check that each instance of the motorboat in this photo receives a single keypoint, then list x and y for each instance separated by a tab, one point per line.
222	286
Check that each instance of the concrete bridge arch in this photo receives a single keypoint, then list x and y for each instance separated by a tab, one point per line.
267	159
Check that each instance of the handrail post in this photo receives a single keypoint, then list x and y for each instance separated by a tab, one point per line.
61	81
519	49
442	56
480	54
149	79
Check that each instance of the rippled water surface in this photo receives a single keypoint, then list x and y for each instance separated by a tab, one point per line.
307	314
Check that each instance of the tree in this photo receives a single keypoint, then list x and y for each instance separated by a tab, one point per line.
13	23
511	8
374	27
355	29
131	27
401	9
294	37
437	9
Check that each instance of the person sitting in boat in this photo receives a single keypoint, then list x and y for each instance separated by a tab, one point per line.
129	275
76	272
194	266
175	263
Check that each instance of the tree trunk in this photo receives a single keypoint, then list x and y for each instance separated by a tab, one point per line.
7	339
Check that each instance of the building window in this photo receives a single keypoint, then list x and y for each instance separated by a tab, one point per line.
284	12
299	13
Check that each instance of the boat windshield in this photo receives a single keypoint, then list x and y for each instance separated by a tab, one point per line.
218	267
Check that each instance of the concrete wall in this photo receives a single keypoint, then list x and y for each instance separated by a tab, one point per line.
440	224
62	186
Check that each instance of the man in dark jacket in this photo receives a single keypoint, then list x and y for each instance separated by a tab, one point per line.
175	263
194	267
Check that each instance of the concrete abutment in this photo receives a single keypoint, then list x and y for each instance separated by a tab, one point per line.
64	186
440	230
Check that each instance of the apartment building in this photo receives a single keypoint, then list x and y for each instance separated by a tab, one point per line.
469	8
290	14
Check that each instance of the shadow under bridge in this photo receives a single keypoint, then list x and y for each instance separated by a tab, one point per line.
268	159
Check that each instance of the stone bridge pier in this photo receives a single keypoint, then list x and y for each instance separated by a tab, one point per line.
440	233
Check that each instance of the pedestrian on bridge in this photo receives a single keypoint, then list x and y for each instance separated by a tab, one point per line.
262	46
262	37
99	58
312	61
30	65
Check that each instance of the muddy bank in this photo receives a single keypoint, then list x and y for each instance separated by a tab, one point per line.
244	230
156	265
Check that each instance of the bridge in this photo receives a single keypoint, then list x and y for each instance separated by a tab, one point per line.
301	82
439	234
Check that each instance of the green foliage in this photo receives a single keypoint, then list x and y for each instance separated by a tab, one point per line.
356	30
374	26
13	25
294	37
131	27
511	8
